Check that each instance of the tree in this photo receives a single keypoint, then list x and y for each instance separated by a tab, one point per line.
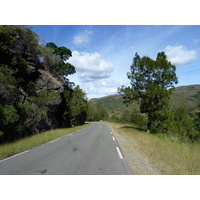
185	126
49	58
96	112
152	82
62	67
78	106
29	100
8	90
63	52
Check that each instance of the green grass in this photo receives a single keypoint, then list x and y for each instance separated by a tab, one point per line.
9	149
169	155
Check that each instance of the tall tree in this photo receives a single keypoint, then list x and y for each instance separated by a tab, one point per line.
64	54
152	82
78	106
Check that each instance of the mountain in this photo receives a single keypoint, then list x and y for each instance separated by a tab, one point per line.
188	96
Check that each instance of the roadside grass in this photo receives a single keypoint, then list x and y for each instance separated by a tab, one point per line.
10	149
168	154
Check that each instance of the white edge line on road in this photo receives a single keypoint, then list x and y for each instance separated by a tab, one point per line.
119	153
113	138
54	140
14	156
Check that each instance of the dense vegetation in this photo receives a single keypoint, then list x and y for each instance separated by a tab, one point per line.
152	83
184	107
96	112
35	93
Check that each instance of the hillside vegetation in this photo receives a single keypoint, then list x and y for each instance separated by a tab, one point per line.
184	105
35	92
188	96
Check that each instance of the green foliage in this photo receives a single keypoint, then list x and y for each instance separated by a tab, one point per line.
97	112
46	97
188	96
63	54
8	121
78	106
30	114
152	82
184	124
48	58
29	100
197	119
31	88
8	115
18	46
8	90
139	119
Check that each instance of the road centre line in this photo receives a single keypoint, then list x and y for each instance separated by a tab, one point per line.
119	153
14	156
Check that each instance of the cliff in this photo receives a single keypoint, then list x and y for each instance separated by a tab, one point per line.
35	94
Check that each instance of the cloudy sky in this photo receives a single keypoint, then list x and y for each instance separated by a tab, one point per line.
102	55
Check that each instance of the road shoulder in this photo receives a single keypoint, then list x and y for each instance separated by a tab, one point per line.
137	161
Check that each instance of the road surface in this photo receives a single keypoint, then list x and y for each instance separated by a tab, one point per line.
90	151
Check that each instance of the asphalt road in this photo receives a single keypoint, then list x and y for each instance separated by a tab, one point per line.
90	151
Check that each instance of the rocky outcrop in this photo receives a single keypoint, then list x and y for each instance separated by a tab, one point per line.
43	93
50	88
47	81
34	96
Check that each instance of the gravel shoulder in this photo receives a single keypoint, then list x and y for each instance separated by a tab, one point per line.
137	161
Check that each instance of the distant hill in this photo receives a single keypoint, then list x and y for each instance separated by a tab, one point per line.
186	95
189	87
183	95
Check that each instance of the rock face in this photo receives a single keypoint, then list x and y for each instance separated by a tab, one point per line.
50	87
34	95
46	81
46	101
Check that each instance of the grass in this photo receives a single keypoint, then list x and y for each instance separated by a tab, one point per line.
9	149
169	155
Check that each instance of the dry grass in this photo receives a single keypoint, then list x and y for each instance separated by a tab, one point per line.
9	149
170	157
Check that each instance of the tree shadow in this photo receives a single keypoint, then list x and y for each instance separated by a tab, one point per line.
133	127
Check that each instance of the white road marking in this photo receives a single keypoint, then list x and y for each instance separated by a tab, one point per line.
54	140
113	138
14	156
119	153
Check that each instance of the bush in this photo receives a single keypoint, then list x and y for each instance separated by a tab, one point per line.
8	121
139	119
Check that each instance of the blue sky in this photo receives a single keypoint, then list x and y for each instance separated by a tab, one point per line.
102	54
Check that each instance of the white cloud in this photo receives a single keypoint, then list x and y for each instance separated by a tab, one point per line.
111	91
195	41
179	55
82	38
90	66
108	83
